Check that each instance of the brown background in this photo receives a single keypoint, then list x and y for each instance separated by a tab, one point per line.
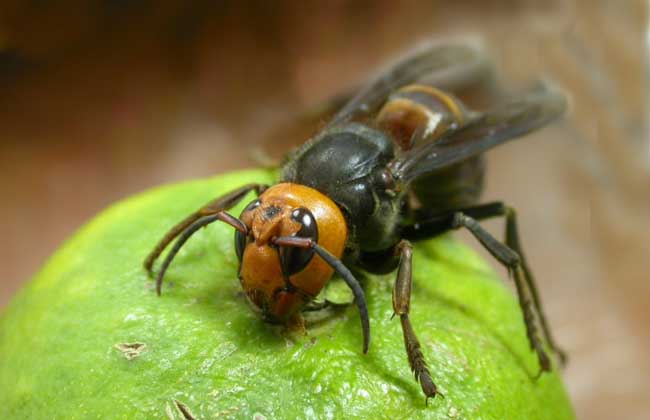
99	100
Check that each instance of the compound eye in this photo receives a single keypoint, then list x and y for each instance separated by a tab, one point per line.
241	238
294	259
240	244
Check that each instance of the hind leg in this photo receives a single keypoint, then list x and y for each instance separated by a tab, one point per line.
509	254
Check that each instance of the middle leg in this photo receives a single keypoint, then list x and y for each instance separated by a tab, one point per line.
401	307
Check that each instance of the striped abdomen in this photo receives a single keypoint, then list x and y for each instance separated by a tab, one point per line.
421	113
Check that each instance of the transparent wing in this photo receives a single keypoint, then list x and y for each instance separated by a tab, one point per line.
446	66
520	116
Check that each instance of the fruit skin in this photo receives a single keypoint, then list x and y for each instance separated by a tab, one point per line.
207	349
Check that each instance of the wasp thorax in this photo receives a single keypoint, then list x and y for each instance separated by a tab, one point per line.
281	279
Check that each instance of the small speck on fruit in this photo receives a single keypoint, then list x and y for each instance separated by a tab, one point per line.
131	350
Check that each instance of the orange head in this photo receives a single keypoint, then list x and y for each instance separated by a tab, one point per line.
281	279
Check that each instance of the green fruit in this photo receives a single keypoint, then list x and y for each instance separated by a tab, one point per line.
66	339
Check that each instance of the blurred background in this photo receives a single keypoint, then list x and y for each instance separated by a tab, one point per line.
102	99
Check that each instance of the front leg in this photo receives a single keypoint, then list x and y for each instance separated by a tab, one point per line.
222	203
401	307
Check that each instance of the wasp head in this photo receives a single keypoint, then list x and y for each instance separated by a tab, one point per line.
280	279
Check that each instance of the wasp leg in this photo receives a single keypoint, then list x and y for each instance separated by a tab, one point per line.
185	235
222	203
316	306
498	209
510	255
512	261
401	307
512	240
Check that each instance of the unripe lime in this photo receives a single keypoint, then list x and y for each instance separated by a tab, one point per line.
89	338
